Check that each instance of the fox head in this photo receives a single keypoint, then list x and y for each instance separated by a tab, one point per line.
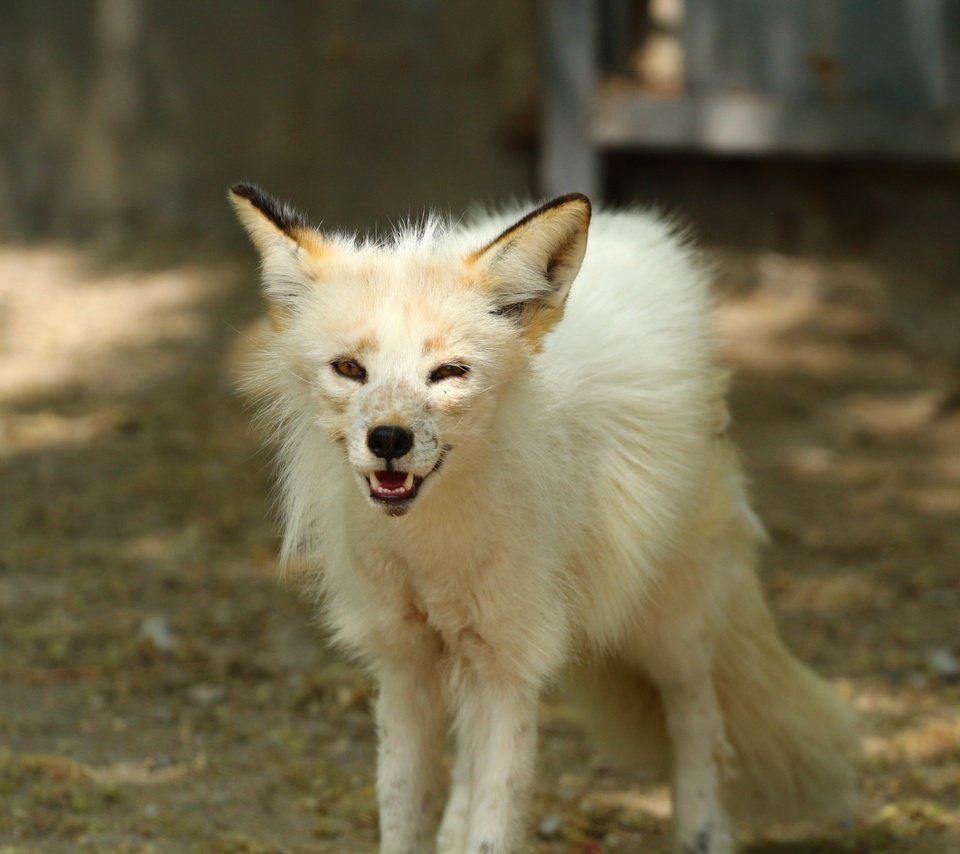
397	351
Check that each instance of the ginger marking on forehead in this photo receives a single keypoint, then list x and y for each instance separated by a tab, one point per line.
435	344
366	343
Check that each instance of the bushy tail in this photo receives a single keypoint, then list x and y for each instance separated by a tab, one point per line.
792	737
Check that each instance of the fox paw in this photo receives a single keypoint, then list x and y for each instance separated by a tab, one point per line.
707	840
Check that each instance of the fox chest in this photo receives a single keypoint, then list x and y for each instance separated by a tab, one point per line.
487	608
442	591
444	596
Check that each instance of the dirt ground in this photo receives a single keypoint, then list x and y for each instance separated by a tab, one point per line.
163	690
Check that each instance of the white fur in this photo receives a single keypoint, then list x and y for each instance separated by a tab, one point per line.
588	522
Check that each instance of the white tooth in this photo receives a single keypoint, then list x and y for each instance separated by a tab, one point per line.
373	480
408	483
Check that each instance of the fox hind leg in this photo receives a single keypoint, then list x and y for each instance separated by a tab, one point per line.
695	725
698	745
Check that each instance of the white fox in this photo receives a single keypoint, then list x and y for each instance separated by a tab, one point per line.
499	482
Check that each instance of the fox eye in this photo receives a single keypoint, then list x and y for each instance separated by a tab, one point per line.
445	372
351	369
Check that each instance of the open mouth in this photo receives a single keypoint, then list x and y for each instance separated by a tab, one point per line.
393	486
395	490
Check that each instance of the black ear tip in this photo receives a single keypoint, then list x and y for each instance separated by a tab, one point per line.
246	190
281	215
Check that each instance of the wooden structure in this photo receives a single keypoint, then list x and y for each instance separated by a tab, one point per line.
877	79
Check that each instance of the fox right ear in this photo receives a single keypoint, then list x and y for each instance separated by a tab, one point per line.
290	250
270	223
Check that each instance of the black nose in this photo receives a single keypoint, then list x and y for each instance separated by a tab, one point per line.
389	441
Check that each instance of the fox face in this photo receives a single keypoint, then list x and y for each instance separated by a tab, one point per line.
398	351
400	376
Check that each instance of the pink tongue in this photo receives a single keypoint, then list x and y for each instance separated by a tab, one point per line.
392	479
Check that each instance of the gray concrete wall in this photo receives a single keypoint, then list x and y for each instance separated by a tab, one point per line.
125	115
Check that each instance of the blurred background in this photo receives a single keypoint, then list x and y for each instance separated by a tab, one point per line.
161	687
836	119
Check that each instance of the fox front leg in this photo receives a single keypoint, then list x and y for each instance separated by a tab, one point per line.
453	826
497	726
411	725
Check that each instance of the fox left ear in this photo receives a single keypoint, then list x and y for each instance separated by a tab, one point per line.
530	267
290	250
